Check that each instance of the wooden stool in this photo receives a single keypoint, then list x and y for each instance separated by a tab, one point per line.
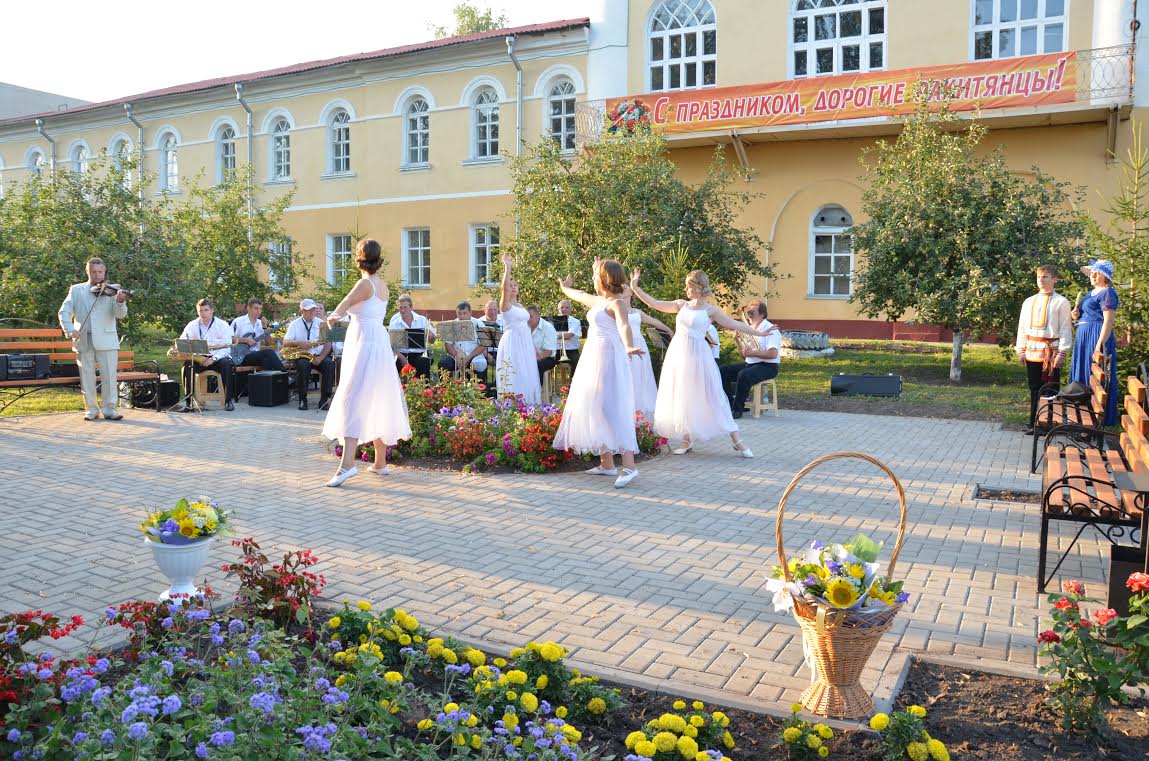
757	405
545	396
203	395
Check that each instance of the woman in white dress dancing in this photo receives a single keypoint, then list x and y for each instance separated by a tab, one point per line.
369	402
691	406
599	414
516	369
641	369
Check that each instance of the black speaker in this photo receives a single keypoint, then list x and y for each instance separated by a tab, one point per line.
865	385
144	394
267	389
26	367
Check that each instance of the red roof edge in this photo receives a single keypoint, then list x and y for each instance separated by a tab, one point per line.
207	84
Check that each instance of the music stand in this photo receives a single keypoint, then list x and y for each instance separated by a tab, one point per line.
489	334
189	346
656	337
337	334
457	331
404	339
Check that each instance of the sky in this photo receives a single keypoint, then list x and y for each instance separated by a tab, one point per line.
100	51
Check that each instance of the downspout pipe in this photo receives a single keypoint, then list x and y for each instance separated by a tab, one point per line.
250	164
140	145
43	134
519	96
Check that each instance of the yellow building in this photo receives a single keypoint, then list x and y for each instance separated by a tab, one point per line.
405	144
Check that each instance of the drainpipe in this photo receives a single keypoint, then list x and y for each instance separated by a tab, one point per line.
250	166
52	159
519	104
139	144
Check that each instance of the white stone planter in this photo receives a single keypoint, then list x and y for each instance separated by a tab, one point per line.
180	563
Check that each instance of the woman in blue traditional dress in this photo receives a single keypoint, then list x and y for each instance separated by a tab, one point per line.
1095	317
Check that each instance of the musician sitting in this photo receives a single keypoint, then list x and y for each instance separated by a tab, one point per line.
408	319
217	333
303	333
466	353
569	338
762	355
248	329
546	340
491	312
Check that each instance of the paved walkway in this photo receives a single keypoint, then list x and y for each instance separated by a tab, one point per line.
661	583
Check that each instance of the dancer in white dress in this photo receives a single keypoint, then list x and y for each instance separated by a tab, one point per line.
692	406
516	371
369	402
641	369
599	414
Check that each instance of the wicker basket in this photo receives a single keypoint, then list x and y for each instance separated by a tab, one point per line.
840	642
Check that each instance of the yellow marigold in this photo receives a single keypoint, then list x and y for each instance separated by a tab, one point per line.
597	706
720	719
561	712
515	676
364	605
476	741
813	741
791	735
510	720
823	731
702	756
672	722
474	657
529	702
417	638
517	652
334	622
697	721
690	731
425	724
680	705
570	733
338	658
550	652
665	741
879	722
450	707
687	748
472	720
434	650
916	711
728	740
917	752
404	639
512	695
531	646
501	662
697	705
795	708
937	751
458	739
645	749
390	636
576	672
823	751
634	738
341	680
449	656
393	677
542	682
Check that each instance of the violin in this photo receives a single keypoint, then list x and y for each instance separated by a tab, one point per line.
109	289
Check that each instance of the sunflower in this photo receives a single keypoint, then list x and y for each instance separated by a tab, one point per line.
840	593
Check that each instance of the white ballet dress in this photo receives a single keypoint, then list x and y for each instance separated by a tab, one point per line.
369	402
691	403
599	413
641	371
516	368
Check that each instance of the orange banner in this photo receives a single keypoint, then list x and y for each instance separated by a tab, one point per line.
1028	81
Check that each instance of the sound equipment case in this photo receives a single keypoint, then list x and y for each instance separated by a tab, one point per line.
267	388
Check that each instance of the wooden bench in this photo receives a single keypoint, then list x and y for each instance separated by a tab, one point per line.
1100	487
1085	420
63	360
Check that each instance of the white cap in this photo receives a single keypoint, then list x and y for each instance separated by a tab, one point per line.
308	304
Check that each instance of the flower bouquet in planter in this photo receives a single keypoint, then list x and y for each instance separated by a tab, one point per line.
842	602
180	540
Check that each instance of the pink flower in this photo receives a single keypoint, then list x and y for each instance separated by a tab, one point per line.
1105	616
1138	582
1074	587
1085	623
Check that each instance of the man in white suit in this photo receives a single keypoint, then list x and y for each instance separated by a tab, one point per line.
90	321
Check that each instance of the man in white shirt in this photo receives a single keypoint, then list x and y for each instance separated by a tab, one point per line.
569	338
1044	337
90	321
408	319
761	363
218	334
303	332
546	340
466	353
249	327
491	312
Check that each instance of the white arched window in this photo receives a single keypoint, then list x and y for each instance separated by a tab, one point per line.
831	252
682	50
1006	28
121	153
225	152
837	36
339	138
417	132
79	158
169	163
281	149
36	162
561	113
485	118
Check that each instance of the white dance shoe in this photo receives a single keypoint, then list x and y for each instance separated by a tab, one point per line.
686	447
743	450
599	470
342	476
627	476
379	471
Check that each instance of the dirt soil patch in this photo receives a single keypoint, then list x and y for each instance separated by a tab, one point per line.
883	406
1007	495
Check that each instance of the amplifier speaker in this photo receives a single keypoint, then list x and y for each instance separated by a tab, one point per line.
143	394
27	367
3	367
865	385
267	389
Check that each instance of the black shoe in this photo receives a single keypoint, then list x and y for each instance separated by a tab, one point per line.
736	414
1028	430
325	403
303	403
229	405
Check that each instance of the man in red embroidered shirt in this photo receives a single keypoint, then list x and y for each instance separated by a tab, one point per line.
1044	336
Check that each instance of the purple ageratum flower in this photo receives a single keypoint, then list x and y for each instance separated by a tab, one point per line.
253	656
903	596
198	615
167	667
235	626
102	665
44	674
220	739
322	684
167	623
14	736
170	526
263	701
107	737
100	695
172	703
201	750
10	637
79	737
138	731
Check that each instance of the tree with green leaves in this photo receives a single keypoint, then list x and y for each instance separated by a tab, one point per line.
622	199
952	234
470	19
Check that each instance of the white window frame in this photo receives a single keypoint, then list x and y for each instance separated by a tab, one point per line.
225	154
276	250
80	158
35	162
696	18
1038	22
485	114
419	154
561	93
339	145
334	249
169	145
279	150
836	232
800	13
120	149
423	250
491	250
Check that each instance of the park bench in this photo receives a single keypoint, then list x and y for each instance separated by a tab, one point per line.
62	361
1084	420
1104	487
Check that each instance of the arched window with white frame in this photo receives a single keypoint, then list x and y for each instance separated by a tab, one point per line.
79	158
225	153
280	149
485	124
682	46
1007	28
561	113
35	162
169	163
837	36
121	155
417	132
339	140
831	252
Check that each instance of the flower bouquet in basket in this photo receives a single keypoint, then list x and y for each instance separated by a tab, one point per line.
842	602
185	523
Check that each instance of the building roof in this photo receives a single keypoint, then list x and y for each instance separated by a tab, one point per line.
17	101
207	84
